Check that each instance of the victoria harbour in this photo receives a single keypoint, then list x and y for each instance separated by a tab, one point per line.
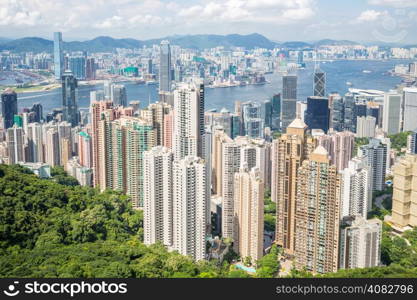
338	74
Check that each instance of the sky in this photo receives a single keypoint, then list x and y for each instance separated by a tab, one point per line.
384	21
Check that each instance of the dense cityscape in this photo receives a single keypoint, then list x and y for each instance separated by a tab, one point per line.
277	187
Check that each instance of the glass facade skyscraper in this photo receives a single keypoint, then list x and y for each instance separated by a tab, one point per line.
69	98
8	108
58	55
165	67
317	113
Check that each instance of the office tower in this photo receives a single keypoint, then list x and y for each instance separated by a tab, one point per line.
190	204
118	95
85	151
317	113
157	200
15	145
252	121
230	165
319	83
223	119
35	142
392	113
404	200
159	111
412	143
365	127
90	69
360	243
96	96
349	113
188	120
165	67
409	109
249	214
289	100
289	151
340	146
149	69
52	151
37	110
77	65
8	108
375	110
69	98
276	112
107	84
356	199
267	113
58	56
376	157
316	214
337	112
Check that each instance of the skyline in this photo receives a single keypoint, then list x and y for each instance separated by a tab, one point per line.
385	21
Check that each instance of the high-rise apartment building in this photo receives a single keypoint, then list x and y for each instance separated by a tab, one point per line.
69	98
165	76
35	142
409	109
190	205
248	214
58	56
316	214
404	201
188	120
376	157
52	150
365	127
340	146
360	243
289	152
15	144
289	100
356	199
8	108
158	193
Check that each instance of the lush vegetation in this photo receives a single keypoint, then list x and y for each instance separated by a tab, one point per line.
399	140
269	213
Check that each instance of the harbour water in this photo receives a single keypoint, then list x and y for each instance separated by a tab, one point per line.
338	74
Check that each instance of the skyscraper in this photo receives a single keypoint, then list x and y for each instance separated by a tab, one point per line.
340	146
392	113
337	113
15	144
158	205
404	201
376	158
190	204
409	109
8	108
276	112
165	78
52	151
289	151
319	83
316	214
248	214
360	243
118	95
69	98
58	56
317	114
365	127
188	120
289	100
356	199
77	65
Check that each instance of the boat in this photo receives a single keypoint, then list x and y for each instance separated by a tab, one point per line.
349	83
151	82
366	71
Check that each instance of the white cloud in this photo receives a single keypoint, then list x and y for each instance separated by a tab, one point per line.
369	16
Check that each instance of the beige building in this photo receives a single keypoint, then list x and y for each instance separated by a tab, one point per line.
404	202
248	214
316	243
289	151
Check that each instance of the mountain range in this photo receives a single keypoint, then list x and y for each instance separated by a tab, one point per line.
201	41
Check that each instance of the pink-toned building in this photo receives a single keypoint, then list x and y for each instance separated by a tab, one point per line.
168	127
340	146
85	149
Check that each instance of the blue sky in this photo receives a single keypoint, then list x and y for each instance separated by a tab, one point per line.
391	21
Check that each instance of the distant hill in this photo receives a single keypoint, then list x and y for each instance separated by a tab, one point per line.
199	41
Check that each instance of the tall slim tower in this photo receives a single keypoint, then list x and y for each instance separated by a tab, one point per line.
289	100
69	98
157	187
319	82
190	200
188	120
249	214
8	108
58	55
290	150
316	242
165	67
